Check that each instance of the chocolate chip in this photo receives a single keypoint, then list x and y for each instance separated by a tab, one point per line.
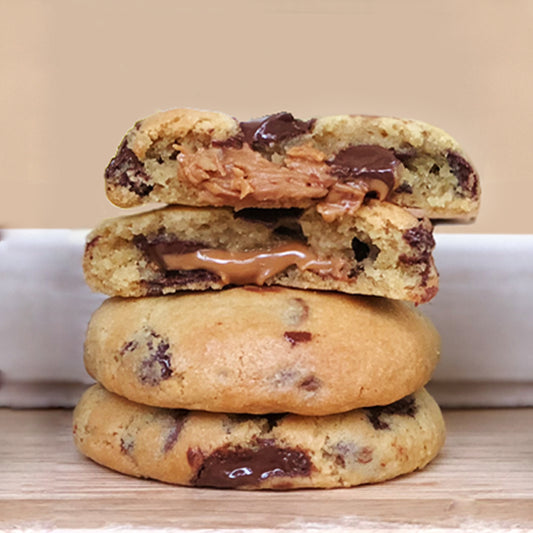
230	467
464	172
295	337
262	133
420	238
404	188
405	155
179	416
126	170
156	367
310	383
404	407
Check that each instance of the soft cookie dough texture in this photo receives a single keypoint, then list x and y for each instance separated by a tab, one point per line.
261	350
191	157
253	452
382	250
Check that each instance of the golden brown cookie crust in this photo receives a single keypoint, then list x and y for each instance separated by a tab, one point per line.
247	452
264	350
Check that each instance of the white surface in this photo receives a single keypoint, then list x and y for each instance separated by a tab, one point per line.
483	309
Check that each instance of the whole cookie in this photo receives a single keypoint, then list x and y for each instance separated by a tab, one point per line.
253	452
191	157
382	251
261	350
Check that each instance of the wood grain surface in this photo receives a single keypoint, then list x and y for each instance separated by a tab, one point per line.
482	481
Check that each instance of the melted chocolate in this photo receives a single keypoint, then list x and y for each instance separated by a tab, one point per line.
267	131
234	467
420	238
404	407
367	161
464	172
126	170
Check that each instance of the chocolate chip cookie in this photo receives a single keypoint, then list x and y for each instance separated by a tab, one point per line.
261	350
382	250
258	452
191	157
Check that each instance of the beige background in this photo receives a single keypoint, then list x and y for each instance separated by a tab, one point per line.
77	74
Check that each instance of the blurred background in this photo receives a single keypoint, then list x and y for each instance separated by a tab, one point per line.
76	75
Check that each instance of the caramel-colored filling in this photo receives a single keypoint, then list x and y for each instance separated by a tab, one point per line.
242	177
241	268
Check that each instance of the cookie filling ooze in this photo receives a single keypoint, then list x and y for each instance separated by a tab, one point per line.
239	268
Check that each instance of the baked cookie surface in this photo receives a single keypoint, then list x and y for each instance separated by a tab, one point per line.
261	350
382	250
258	452
191	157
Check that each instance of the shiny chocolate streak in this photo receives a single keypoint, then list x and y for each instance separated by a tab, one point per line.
241	268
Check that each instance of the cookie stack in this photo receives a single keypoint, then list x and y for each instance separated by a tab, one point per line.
262	332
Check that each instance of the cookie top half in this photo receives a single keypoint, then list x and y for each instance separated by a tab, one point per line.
191	157
261	350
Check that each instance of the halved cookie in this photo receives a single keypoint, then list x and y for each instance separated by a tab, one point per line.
261	350
382	250
191	157
258	452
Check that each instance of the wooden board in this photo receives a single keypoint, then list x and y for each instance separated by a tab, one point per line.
482	481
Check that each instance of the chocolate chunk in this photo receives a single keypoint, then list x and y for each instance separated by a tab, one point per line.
154	246
179	416
126	170
404	407
229	467
294	337
465	174
156	367
310	383
262	133
420	238
405	155
366	161
404	188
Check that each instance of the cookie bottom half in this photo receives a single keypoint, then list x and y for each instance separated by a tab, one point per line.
250	452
